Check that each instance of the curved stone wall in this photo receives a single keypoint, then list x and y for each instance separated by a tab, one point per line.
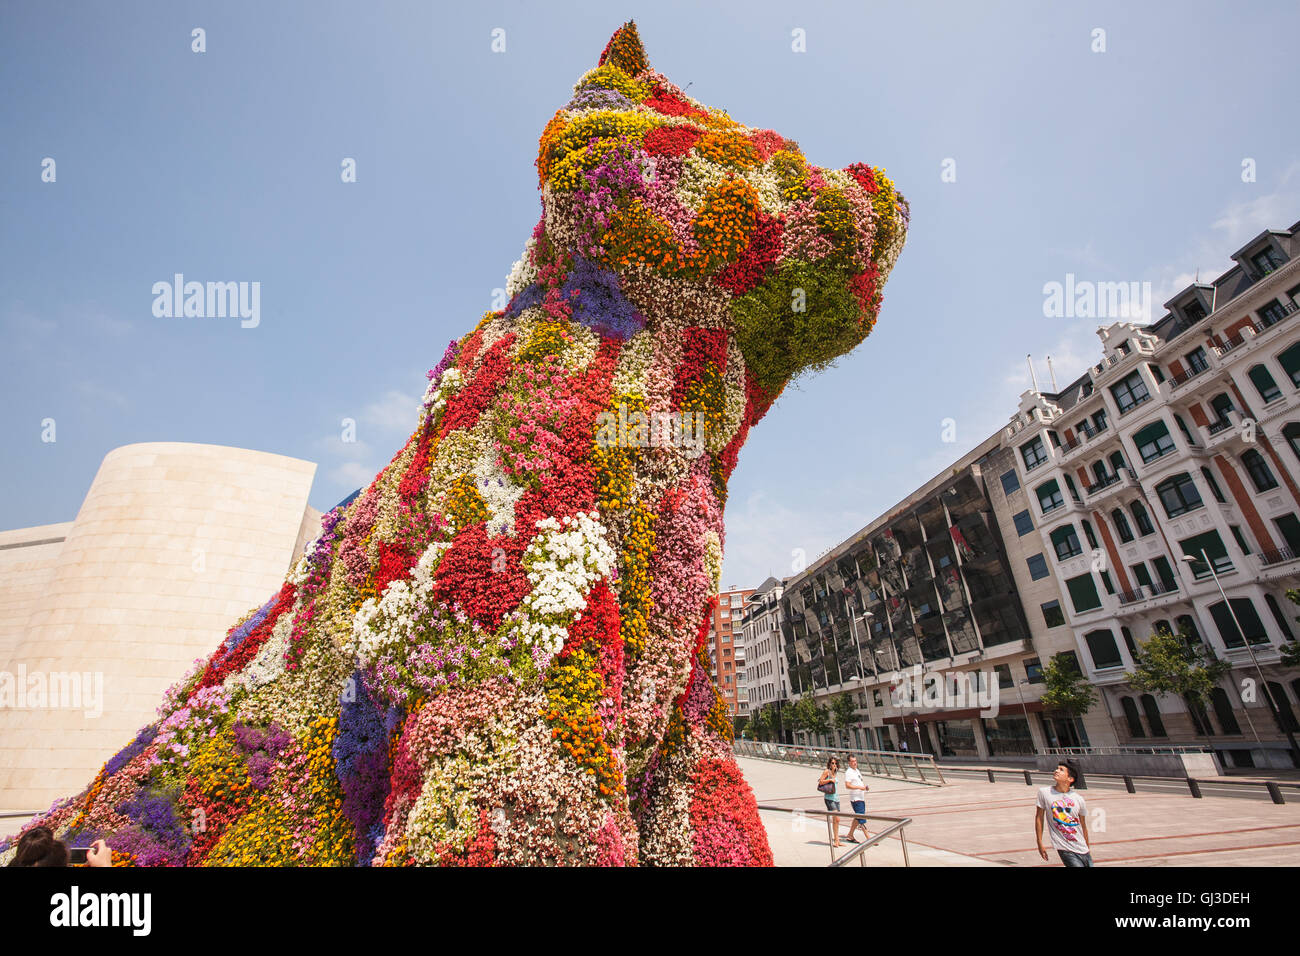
173	543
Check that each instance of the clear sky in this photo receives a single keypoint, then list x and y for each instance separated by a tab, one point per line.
1122	165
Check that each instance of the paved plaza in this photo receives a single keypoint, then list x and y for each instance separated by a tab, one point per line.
971	822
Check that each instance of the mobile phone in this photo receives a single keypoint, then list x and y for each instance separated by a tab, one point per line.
77	854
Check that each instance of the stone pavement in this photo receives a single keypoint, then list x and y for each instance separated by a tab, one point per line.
972	822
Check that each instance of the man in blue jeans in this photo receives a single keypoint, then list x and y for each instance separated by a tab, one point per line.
1067	818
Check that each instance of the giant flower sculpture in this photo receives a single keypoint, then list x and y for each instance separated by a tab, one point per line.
494	654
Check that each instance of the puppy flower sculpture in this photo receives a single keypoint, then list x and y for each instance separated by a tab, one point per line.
494	654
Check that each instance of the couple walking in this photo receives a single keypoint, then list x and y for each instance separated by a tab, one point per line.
857	789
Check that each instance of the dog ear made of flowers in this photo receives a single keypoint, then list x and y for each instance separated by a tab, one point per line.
495	653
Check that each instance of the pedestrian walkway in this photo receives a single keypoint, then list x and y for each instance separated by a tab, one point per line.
972	822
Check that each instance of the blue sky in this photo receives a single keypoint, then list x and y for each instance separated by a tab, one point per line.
225	166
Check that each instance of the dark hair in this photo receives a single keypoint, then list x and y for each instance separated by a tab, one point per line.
37	847
1070	769
831	760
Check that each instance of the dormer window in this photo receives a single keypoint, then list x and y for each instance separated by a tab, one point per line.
1265	261
1123	348
1193	311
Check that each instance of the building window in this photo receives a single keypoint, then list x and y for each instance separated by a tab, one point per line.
1066	543
1153	442
1265	261
1179	495
1074	492
1130	393
1033	453
1289	525
1196	361
1128	642
1290	362
1050	497
1150	708
1164	572
1212	545
1258	470
1214	485
1105	579
1271	314
1010	482
1132	718
1104	650
1187	629
1087	533
1034	670
1083	593
1121	525
1223	710
1221	404
1142	519
1240	538
1037	567
1279	617
1264	383
1052	614
1024	523
1245	613
1292	434
1182	427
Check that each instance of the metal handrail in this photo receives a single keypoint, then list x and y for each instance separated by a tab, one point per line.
886	760
896	826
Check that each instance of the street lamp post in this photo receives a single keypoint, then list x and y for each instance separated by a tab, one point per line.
1277	714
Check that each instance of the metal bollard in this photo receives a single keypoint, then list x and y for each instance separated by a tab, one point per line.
990	773
1128	784
1029	781
1195	787
1274	791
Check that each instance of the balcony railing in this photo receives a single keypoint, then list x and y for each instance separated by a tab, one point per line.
1104	483
1276	556
1218	425
1131	597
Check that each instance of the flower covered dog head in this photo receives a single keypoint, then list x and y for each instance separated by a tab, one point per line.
691	218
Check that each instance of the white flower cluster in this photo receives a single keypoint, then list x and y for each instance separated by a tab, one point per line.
562	563
523	273
269	663
394	615
440	389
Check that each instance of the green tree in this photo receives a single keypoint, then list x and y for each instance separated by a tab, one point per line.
1068	692
843	709
1168	663
760	724
808	716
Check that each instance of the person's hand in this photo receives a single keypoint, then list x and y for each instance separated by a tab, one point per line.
1042	851
99	854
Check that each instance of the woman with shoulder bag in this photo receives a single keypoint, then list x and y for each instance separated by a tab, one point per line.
826	785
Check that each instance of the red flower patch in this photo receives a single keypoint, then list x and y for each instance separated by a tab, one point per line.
766	142
394	564
670	104
671	140
758	258
484	575
700	349
464	408
865	175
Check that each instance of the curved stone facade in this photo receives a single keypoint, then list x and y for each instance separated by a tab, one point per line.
173	543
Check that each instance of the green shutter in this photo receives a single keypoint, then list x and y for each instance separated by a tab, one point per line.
1083	593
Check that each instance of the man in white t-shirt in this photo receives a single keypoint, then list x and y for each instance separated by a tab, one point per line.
1067	818
857	789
